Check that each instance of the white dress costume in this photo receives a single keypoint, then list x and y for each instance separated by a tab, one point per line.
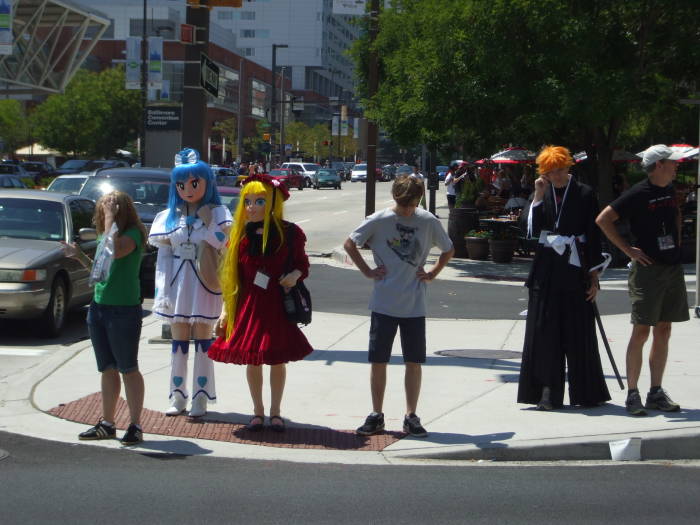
181	295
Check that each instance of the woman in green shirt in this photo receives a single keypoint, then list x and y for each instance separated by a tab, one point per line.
114	317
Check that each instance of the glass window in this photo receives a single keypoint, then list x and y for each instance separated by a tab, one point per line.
247	15
247	33
31	219
80	217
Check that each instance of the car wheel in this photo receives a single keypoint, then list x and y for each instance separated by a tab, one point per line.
309	183
54	317
301	186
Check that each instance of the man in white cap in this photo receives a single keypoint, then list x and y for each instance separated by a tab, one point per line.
656	281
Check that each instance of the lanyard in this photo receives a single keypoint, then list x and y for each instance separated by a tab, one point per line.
557	209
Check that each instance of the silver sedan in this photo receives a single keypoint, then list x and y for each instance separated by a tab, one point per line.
36	279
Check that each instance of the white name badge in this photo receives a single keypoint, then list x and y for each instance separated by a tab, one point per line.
666	242
261	280
188	251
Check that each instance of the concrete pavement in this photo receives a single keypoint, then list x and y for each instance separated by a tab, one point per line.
467	404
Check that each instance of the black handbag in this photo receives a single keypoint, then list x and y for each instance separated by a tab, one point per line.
297	301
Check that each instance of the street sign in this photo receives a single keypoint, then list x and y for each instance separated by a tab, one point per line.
163	118
209	75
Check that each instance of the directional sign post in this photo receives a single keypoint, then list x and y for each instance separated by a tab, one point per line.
209	76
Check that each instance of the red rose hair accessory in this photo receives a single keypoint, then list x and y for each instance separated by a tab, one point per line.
266	179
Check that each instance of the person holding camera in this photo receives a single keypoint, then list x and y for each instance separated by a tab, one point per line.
253	328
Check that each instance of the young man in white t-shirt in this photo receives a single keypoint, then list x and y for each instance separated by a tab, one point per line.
400	238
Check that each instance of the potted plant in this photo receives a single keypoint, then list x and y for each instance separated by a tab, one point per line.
464	216
477	242
502	244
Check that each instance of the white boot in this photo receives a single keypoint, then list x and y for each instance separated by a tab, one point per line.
177	404
199	406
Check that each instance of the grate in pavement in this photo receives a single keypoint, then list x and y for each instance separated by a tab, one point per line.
89	409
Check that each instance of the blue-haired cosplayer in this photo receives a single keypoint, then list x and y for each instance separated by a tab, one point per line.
189	235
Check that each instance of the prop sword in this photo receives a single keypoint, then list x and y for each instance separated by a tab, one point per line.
607	345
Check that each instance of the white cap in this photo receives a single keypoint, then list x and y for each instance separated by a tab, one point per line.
660	152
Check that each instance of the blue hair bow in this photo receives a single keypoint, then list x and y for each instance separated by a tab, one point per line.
186	156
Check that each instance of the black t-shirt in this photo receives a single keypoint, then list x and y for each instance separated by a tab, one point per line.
653	215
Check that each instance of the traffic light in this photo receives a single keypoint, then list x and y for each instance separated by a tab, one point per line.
266	137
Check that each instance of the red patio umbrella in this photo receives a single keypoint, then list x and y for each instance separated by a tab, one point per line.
514	155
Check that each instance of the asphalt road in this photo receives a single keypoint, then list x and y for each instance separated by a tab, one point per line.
47	482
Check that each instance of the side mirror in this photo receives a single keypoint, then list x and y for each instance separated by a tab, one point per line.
87	234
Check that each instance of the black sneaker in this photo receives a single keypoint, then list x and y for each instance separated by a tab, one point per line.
633	404
412	426
661	401
133	436
99	431
373	425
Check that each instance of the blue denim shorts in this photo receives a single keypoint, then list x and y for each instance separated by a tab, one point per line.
115	332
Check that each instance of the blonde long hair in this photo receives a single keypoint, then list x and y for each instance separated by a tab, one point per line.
228	271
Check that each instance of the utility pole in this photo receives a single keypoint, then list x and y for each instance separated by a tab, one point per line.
373	85
283	151
144	82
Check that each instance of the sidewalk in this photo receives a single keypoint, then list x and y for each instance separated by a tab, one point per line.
467	404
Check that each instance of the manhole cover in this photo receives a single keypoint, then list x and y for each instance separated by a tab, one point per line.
472	353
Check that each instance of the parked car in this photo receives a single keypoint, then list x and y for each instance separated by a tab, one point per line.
72	166
388	172
14	169
342	170
95	165
36	279
38	170
327	178
359	173
291	177
68	183
10	181
148	187
442	172
307	169
224	176
404	170
230	195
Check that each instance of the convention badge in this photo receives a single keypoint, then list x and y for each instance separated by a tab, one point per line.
261	280
666	242
188	251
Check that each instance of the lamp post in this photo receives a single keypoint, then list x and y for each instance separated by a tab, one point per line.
696	102
283	151
273	106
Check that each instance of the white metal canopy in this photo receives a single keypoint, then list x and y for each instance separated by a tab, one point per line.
51	40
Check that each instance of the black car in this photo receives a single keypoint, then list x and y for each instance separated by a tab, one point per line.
10	181
148	187
38	170
71	166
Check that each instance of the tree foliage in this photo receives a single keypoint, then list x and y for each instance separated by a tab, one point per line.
14	127
95	116
585	73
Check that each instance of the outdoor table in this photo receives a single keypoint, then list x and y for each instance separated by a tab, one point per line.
498	225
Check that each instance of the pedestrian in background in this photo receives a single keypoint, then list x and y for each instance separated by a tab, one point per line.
560	332
253	329
114	316
451	182
400	238
656	282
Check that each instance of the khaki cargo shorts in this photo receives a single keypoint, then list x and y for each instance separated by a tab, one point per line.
658	294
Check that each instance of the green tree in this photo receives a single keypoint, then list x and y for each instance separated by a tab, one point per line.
229	129
95	116
14	127
474	75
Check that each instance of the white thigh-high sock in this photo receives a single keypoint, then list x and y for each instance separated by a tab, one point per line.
178	368
203	383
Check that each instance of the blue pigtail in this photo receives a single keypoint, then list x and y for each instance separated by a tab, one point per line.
187	164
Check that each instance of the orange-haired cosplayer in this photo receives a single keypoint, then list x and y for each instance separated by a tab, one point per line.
253	328
560	337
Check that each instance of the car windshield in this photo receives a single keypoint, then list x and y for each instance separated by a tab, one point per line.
277	173
32	166
405	169
326	172
67	185
311	167
360	167
8	168
141	189
73	164
31	219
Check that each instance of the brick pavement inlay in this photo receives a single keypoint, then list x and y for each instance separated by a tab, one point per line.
89	408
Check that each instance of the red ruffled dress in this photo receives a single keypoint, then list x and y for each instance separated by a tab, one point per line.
262	334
